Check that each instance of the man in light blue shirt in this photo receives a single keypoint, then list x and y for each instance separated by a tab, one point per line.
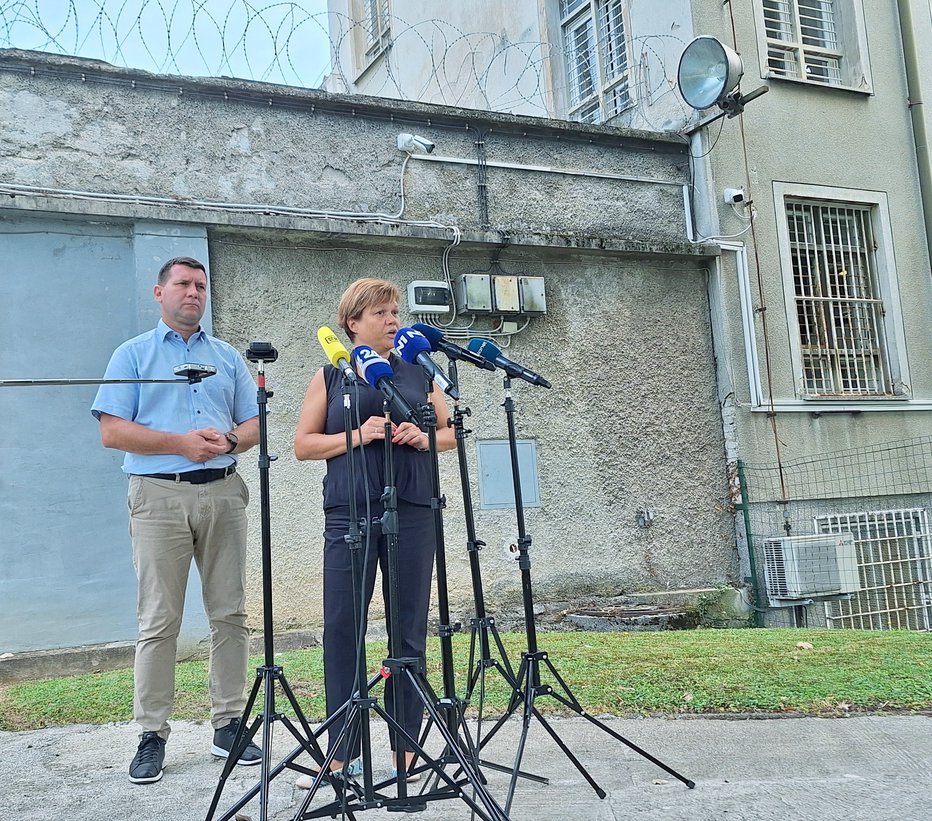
186	502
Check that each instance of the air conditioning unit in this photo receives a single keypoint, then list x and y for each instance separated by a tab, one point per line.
804	567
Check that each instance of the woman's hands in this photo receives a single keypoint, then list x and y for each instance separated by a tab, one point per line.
409	434
373	429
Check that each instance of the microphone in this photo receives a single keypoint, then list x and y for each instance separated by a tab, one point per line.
412	346
439	343
493	353
336	352
194	372
376	372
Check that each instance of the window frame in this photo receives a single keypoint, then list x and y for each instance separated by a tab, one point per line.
369	46
571	14
893	342
851	31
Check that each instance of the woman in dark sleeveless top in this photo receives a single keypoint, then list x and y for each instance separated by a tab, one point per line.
368	313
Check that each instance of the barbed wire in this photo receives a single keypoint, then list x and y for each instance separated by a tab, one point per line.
300	44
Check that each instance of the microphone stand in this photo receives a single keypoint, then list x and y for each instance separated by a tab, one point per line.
412	670
482	625
530	687
269	673
355	712
454	707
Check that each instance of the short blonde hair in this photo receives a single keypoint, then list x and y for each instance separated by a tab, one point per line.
364	293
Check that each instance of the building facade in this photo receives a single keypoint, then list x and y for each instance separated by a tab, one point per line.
289	195
819	197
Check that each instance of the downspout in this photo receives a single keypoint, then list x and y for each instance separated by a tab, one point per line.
920	137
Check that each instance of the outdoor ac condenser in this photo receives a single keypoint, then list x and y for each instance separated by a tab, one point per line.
802	567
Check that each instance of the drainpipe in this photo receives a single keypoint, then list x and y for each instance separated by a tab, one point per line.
914	89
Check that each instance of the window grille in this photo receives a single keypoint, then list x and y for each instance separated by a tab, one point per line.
803	40
894	552
597	62
378	29
839	308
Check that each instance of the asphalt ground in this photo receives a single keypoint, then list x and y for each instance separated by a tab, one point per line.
861	767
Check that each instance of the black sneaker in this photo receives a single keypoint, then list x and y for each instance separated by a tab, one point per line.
223	743
146	766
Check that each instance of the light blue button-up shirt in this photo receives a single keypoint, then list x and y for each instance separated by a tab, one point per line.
219	401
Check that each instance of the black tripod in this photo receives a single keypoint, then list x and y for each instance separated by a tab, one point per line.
530	686
355	712
482	626
453	707
269	674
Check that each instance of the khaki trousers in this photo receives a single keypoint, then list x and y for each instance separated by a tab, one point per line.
171	523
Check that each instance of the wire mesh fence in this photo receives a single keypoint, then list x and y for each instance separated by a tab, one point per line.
844	539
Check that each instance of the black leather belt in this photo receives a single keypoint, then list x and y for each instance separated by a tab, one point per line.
195	477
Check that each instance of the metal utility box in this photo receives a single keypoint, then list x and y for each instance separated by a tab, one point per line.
531	295
473	294
505	298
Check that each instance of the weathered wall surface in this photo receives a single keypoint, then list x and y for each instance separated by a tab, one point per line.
632	421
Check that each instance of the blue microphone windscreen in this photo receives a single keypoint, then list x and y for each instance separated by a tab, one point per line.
370	365
432	334
409	343
485	348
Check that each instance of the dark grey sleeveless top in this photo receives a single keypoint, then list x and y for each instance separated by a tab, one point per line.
412	468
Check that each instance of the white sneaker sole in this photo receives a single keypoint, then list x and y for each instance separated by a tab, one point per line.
151	780
219	752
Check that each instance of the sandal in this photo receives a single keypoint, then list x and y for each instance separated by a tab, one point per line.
305	781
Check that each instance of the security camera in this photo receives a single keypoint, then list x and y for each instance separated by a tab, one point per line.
734	196
414	144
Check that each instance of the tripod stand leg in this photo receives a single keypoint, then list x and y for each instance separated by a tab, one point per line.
571	702
231	760
525	725
307	743
472	776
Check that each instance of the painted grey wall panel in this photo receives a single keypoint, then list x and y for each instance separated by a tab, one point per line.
70	292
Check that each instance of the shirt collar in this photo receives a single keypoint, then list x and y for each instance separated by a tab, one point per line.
164	331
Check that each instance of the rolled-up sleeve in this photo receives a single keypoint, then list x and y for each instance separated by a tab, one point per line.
119	400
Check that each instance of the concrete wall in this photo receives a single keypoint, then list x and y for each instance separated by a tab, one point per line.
468	58
506	56
632	421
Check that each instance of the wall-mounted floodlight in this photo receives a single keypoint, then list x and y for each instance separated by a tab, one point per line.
709	74
414	144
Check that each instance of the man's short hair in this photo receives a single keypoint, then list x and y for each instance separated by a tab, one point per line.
190	262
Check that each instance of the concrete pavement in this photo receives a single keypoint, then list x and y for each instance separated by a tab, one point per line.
867	767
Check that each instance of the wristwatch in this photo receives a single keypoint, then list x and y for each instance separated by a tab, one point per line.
233	439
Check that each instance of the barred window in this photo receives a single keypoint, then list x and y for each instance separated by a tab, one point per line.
597	62
894	555
378	29
815	41
839	307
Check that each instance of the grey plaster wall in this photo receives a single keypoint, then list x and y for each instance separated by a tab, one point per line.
631	422
633	419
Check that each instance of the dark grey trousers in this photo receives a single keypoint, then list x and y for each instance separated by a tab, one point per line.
416	547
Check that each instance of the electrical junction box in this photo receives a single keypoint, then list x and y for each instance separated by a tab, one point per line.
473	294
531	295
505	299
429	296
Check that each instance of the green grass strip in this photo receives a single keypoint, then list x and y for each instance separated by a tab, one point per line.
696	671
